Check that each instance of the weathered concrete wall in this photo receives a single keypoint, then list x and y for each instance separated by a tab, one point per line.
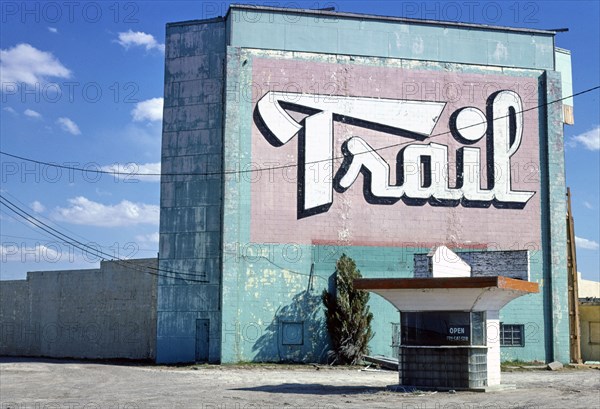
392	38
190	216
554	229
102	313
276	251
254	272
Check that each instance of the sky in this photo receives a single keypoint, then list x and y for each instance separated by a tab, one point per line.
82	86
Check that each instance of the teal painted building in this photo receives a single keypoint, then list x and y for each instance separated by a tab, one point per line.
293	136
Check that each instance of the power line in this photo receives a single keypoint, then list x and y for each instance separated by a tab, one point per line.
90	250
50	221
45	240
95	252
235	172
82	246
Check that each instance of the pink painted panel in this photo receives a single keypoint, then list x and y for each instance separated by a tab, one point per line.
351	219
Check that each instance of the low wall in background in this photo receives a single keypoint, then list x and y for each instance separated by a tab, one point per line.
102	313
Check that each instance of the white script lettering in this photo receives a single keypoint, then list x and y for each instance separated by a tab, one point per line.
503	127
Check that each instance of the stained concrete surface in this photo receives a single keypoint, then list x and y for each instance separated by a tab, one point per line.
29	383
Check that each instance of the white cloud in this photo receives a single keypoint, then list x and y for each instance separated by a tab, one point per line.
588	204
10	110
24	63
87	212
150	109
37	207
68	125
590	139
141	39
53	30
133	171
151	238
586	244
32	114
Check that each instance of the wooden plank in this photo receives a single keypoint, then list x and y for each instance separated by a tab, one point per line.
573	293
569	118
450	282
383	361
508	283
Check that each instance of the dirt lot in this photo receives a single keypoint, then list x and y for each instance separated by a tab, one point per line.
39	384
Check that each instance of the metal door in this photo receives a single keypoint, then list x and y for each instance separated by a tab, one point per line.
202	330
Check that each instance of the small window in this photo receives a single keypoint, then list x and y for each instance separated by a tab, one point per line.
594	333
395	334
478	328
512	335
435	328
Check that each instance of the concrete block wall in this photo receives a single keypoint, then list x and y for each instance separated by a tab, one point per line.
555	226
266	286
546	315
191	204
17	337
98	314
514	264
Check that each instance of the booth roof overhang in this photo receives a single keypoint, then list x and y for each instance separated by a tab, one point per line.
448	293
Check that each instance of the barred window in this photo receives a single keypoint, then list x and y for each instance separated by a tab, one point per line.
512	335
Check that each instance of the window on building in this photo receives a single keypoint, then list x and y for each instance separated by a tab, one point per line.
395	334
395	339
478	328
512	335
292	333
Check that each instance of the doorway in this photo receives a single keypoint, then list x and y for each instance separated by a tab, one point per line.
202	339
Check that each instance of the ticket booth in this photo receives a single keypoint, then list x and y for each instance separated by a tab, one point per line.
449	327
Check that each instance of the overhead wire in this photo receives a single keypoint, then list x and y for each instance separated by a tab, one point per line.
24	205
90	250
49	230
46	240
286	166
83	246
50	221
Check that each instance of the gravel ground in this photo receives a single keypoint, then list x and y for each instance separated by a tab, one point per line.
40	384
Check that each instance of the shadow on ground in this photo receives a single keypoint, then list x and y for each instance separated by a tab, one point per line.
82	361
313	389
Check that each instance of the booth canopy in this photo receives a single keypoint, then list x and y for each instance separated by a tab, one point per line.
448	294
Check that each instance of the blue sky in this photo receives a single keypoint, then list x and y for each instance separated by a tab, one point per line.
93	75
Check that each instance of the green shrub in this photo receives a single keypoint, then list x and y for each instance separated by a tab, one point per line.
347	315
